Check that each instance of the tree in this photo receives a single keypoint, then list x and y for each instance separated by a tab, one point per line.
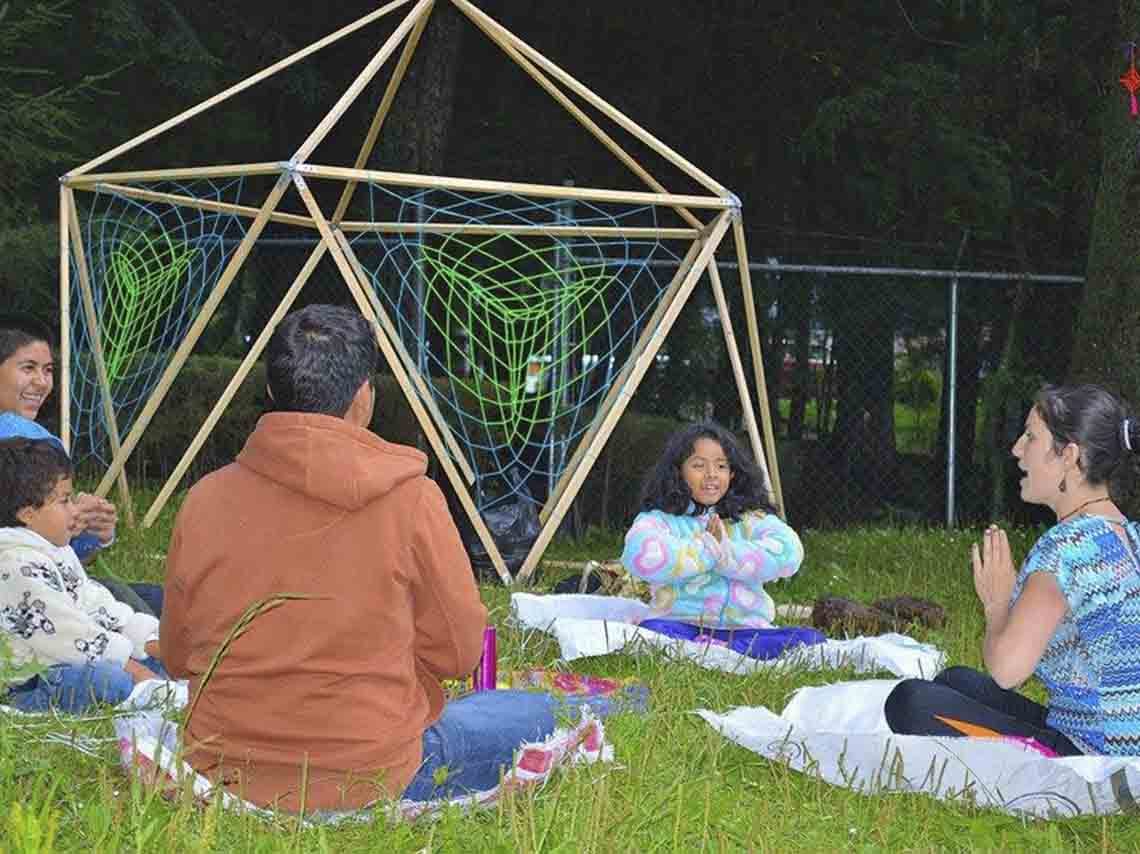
38	114
1107	347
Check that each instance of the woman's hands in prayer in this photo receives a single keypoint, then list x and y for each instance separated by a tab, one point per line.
994	574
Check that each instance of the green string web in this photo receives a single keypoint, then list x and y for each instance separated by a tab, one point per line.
141	288
511	301
152	265
479	310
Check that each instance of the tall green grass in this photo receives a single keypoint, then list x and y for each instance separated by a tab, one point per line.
675	786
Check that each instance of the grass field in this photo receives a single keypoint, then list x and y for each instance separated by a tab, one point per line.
675	786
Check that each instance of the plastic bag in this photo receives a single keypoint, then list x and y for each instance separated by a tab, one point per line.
514	527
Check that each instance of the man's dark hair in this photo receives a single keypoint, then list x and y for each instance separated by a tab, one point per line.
29	470
20	330
318	358
665	489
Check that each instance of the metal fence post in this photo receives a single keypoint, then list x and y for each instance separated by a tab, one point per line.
952	397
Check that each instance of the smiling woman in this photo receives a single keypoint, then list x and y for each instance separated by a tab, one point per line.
26	366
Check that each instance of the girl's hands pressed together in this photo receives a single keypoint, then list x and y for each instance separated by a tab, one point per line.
716	528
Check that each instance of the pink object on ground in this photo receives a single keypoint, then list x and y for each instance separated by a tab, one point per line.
487	673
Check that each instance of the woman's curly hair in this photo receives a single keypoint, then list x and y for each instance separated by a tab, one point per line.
665	489
30	469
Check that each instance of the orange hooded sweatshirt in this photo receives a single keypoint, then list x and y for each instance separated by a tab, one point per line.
335	690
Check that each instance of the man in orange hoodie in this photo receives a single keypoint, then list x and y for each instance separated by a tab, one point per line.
331	701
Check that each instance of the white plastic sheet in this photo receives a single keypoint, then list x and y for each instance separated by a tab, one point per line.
149	747
838	732
600	625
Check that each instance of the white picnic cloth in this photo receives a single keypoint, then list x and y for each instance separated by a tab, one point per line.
839	733
587	625
149	747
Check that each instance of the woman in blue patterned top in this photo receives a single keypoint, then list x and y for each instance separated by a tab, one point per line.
1072	613
707	540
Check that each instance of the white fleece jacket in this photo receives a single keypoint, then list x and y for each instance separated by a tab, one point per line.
51	612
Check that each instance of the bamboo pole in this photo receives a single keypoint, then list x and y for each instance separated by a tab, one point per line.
184	173
397	367
238	378
239	87
195	331
551	191
619	382
645	360
583	119
632	232
409	365
423	7
65	202
598	103
250	212
386	101
203	204
738	375
758	361
96	337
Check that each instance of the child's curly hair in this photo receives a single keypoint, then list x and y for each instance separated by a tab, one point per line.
29	470
665	489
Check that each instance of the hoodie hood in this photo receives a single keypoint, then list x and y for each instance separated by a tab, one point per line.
328	459
27	538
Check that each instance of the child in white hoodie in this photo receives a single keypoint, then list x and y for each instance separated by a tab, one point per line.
93	647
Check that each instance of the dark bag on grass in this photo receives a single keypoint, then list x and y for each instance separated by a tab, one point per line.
514	527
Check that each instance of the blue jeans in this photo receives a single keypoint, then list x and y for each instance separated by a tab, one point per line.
71	688
474	741
74	688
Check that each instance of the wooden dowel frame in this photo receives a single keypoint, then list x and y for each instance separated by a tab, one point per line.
252	80
95	335
187	173
548	191
758	361
195	331
575	99
235	382
708	252
383	227
394	363
65	204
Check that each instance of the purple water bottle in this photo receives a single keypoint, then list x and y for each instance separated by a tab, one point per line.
487	673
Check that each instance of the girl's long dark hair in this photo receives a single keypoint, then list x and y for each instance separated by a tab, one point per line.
665	489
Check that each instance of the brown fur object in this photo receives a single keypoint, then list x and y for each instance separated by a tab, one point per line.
911	609
834	613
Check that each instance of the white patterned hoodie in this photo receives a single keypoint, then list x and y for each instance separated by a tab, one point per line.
52	613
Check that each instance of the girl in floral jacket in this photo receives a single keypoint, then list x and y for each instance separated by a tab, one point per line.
707	540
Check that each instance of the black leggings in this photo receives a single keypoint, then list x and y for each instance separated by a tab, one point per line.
922	707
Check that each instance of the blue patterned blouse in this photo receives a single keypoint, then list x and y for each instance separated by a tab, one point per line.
1091	666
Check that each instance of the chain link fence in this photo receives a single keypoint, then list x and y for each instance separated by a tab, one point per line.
858	366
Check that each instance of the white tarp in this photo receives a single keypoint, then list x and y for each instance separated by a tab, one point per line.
838	732
600	625
149	747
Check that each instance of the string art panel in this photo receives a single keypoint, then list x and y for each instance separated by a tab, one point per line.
522	312
151	265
